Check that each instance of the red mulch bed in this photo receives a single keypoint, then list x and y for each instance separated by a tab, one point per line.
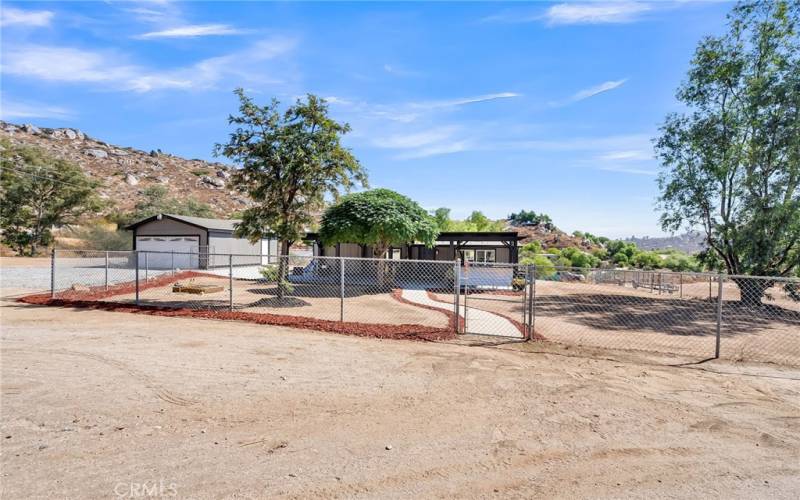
91	299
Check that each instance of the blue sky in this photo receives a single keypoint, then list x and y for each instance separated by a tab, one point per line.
479	106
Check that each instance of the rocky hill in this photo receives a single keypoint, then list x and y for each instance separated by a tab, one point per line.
550	237
125	172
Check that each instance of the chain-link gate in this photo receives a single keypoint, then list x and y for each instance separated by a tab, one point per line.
495	299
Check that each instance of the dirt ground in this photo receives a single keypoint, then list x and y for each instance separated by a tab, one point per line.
310	301
99	404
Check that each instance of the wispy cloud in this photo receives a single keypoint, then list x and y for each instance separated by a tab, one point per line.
9	16
594	13
633	155
449	103
629	170
574	13
110	69
590	92
396	70
193	31
416	139
15	110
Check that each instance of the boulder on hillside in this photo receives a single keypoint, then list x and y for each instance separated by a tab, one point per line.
31	129
131	180
97	153
211	181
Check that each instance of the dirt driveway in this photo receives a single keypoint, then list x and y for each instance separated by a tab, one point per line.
100	404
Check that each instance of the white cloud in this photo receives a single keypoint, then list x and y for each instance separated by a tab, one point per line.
436	149
594	13
193	31
629	170
11	110
416	139
631	155
590	92
10	16
449	103
110	70
395	70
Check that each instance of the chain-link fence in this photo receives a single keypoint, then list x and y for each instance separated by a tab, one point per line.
694	315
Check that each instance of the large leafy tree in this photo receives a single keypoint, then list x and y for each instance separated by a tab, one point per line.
290	161
380	218
732	160
37	193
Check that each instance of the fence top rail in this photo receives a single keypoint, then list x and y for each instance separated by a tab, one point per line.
78	253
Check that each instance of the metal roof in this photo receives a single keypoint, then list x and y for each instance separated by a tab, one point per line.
227	225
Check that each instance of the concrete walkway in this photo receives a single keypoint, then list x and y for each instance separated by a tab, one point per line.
478	321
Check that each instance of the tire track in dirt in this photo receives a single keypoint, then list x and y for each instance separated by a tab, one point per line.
159	391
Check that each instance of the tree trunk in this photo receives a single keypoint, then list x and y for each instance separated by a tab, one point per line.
752	290
378	252
283	268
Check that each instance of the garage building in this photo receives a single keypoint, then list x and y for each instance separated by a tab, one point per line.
193	242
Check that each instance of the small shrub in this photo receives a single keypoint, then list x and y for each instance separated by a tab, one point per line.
271	273
518	284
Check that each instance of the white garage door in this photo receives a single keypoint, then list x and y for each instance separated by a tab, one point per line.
181	252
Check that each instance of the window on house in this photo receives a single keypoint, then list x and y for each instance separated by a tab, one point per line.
478	255
484	255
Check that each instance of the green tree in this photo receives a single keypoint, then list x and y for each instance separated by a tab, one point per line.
156	200
290	162
532	218
39	192
647	260
380	218
442	217
732	161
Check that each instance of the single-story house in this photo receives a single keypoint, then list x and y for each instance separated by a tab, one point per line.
501	247
192	242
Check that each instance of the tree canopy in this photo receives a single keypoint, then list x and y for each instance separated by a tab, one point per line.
731	162
529	217
291	160
476	222
380	218
156	200
39	192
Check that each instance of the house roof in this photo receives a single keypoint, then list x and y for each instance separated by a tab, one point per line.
456	236
212	224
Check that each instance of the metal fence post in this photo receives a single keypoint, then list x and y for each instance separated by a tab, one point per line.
532	301
146	267
106	269
53	273
341	289
136	255
456	294
719	315
230	282
172	264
